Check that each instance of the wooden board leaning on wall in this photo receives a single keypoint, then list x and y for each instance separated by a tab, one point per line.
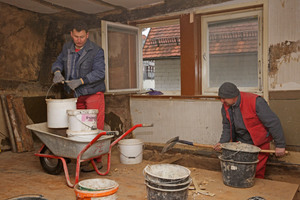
16	120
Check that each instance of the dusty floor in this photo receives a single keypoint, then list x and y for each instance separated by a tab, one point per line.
21	173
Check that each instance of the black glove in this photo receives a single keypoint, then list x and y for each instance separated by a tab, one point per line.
73	84
58	78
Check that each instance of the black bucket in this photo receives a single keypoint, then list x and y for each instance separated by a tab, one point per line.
159	194
168	186
167	181
240	152
238	174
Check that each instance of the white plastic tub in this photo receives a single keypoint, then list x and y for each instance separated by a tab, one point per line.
131	151
82	119
57	112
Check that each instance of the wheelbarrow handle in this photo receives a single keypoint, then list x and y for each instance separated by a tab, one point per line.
115	133
147	125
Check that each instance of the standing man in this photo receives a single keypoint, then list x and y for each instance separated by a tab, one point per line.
81	67
248	118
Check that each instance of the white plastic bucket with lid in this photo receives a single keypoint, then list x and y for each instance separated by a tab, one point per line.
57	112
131	151
82	119
82	136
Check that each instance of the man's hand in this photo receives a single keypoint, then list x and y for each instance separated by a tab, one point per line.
73	84
279	152
58	77
218	147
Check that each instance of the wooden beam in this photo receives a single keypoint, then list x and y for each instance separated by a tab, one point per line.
190	73
8	124
58	7
12	117
22	121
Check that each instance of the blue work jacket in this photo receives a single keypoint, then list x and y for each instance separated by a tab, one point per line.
89	66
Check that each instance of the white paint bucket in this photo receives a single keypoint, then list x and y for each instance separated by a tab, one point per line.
57	112
82	136
131	151
82	119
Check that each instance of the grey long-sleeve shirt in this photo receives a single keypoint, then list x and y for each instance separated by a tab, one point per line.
240	133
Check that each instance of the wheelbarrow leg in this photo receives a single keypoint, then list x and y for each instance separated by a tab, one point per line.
108	164
78	161
67	173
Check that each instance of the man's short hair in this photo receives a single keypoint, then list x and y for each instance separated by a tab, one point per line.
79	25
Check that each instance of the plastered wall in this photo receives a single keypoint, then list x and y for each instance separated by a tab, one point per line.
193	120
284	45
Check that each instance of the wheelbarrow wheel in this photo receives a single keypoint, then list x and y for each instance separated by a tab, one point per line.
50	165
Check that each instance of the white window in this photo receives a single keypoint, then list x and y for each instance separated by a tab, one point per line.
122	51
126	71
231	50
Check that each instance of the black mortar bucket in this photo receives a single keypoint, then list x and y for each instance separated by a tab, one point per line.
238	174
154	193
167	181
240	152
168	186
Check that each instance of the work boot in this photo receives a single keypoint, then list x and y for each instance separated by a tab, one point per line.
88	166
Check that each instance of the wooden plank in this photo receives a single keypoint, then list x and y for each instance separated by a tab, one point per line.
12	117
8	124
22	121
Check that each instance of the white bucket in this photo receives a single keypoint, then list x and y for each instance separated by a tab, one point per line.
131	151
82	119
57	112
82	136
100	189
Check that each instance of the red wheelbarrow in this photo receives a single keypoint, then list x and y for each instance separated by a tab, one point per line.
57	147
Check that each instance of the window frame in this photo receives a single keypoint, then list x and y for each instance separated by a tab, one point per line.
139	70
205	20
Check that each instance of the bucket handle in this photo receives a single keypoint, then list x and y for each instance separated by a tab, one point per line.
230	156
131	157
49	90
55	84
27	195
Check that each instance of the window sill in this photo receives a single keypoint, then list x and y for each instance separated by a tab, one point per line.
164	96
174	97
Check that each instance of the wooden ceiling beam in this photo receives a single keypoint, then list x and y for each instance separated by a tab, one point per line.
60	8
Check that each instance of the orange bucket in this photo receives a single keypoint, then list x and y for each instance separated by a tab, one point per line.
109	194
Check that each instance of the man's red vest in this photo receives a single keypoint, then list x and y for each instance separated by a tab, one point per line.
254	126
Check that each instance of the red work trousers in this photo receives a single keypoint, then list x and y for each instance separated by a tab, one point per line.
93	101
262	163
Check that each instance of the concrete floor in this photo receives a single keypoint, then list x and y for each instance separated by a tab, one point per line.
21	173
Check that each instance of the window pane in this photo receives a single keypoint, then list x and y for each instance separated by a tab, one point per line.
161	58
233	50
122	58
